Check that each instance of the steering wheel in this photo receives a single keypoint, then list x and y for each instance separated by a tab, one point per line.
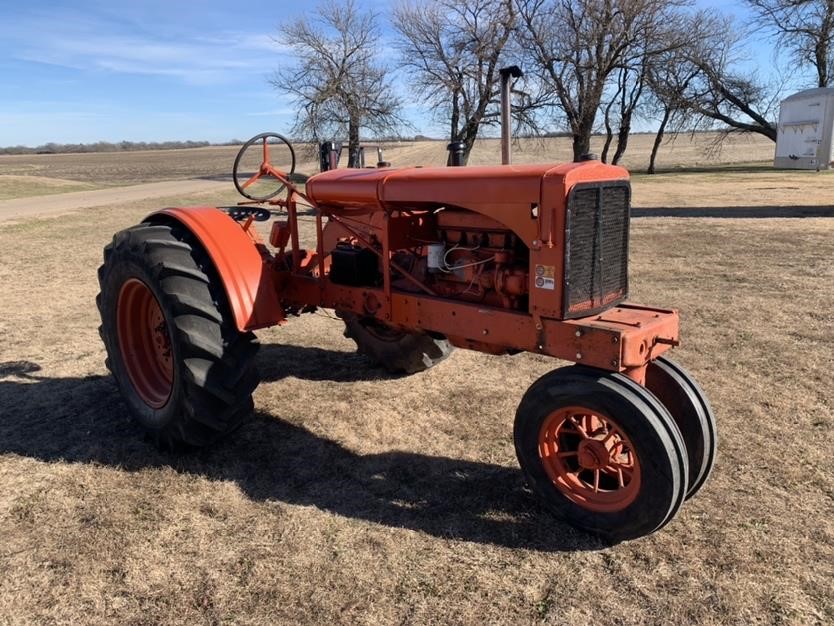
258	168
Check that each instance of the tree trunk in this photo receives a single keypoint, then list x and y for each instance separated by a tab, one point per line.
468	136
454	134
583	128
609	133
455	120
821	56
658	139
622	139
581	144
353	143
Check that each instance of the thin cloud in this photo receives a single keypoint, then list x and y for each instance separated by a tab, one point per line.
98	45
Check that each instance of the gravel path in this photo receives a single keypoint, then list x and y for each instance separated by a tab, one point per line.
56	204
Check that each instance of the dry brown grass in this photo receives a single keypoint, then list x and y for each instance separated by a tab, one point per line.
12	186
353	497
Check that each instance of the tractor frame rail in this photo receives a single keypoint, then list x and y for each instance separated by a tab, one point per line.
621	339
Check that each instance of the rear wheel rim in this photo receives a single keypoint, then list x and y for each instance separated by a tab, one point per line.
145	343
589	459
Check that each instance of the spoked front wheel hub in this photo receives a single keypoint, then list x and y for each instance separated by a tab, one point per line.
589	459
145	343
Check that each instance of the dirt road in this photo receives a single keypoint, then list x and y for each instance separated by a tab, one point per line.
57	204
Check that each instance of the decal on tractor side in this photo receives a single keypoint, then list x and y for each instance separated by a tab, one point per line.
545	277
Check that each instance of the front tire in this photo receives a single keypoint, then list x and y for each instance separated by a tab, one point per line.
186	373
601	452
688	405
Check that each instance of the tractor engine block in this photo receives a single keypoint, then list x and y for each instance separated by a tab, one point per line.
474	258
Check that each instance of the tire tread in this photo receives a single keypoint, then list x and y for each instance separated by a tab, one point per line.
217	366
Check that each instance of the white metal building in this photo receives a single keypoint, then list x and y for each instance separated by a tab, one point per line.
805	136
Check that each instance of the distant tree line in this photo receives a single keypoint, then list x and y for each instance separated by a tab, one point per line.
106	146
592	66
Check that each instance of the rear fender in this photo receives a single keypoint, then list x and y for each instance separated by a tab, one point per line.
246	277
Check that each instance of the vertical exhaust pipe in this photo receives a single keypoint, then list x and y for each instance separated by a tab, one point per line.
507	74
455	149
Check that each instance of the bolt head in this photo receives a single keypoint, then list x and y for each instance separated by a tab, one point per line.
578	355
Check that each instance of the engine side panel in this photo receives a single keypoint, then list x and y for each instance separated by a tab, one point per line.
502	230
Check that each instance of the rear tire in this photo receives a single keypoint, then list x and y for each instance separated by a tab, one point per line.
601	452
398	351
202	367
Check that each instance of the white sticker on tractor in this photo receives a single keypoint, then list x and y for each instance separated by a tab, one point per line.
545	277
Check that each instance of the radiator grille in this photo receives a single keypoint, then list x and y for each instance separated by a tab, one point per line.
596	248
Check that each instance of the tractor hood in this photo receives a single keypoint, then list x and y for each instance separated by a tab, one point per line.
463	187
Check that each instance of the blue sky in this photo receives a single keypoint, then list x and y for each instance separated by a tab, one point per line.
151	70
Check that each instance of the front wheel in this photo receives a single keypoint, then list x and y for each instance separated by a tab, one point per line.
186	373
689	407
601	452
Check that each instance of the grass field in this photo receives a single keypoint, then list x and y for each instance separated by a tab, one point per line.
352	497
13	186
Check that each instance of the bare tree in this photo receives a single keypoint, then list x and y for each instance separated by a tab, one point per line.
578	45
668	81
453	50
670	74
725	93
703	85
631	82
337	83
629	100
803	27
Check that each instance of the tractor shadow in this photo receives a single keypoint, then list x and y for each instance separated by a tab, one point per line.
82	420
278	361
746	212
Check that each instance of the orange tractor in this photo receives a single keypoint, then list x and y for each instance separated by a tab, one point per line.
416	261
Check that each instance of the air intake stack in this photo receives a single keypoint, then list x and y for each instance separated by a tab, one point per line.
507	74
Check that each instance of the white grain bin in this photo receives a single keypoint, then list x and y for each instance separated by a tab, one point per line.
806	125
